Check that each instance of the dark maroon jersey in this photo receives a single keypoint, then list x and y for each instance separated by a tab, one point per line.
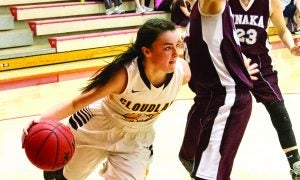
206	75
251	23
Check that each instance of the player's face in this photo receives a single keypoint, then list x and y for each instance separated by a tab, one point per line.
164	52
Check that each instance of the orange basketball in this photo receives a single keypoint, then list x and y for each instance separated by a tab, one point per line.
49	145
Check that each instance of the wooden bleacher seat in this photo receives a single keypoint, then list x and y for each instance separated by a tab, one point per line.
66	25
6	22
94	40
15	38
52	10
25	51
16	2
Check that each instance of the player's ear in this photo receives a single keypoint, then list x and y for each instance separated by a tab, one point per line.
146	51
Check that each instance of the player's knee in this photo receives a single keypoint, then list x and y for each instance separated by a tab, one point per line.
282	124
187	164
49	175
279	116
57	175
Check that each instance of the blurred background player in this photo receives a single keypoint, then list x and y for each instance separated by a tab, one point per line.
110	9
290	10
180	12
141	7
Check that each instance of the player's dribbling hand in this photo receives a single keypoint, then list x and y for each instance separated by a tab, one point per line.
25	130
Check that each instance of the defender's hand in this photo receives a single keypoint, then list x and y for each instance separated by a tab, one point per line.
252	68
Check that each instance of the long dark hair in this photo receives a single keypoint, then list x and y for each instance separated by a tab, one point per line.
146	35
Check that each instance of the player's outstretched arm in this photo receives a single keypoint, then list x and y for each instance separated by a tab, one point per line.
284	34
61	111
115	85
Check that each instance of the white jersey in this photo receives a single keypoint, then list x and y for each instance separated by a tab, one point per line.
140	103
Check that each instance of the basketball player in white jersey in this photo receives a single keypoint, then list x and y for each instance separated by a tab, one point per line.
113	118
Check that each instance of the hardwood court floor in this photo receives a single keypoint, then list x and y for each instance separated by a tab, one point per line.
259	156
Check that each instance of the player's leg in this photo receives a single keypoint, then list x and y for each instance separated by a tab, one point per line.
49	175
109	7
282	123
188	164
193	131
131	155
221	136
130	165
54	175
267	91
83	162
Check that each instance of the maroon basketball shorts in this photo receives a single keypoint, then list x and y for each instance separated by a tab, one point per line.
266	88
215	127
